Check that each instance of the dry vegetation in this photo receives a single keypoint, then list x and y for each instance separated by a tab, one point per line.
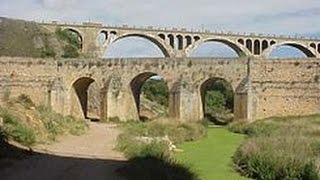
280	148
28	124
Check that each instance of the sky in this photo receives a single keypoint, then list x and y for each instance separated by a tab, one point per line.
288	17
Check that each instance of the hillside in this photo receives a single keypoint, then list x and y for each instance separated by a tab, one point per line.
29	39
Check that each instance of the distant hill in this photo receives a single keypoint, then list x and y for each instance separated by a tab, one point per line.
28	39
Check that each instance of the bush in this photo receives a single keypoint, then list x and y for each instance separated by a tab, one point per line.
13	129
73	40
152	160
70	51
47	52
279	148
132	148
157	91
56	124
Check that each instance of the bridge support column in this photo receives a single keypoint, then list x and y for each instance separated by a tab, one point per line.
90	45
118	102
188	103
244	102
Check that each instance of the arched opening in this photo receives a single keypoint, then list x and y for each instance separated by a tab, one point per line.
171	40
289	50
264	44
217	99
189	41
73	42
217	48
162	36
313	45
319	48
135	45
196	38
256	47
75	38
241	41
151	96
249	45
103	37
88	94
180	42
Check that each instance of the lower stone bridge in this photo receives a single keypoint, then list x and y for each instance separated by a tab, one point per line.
262	87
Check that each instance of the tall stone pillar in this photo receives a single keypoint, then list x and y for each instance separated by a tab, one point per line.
189	103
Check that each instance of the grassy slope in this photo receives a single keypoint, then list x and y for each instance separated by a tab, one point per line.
211	156
25	39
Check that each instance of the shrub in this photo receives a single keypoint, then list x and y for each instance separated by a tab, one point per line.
132	147
129	143
73	40
279	148
56	124
70	51
47	52
157	91
16	131
155	156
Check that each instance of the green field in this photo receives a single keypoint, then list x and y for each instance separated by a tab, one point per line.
211	156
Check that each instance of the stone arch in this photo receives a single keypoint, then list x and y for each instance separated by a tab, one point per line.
162	36
79	96
171	40
256	47
154	40
103	37
303	48
180	42
249	44
204	85
241	41
196	38
235	46
79	34
136	84
188	41
265	45
313	45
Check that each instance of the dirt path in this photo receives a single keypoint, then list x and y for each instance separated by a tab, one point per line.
86	157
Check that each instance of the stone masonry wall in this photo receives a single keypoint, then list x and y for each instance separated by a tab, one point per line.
262	87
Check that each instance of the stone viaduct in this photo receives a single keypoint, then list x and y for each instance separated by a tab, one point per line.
262	87
180	43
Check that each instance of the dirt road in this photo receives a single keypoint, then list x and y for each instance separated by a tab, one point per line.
87	157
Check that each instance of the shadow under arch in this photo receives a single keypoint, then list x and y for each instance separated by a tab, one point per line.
153	40
304	49
136	86
239	49
223	86
80	87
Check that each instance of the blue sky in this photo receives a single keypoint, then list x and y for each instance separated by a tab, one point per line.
269	17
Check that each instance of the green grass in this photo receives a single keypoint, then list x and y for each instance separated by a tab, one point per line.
211	157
